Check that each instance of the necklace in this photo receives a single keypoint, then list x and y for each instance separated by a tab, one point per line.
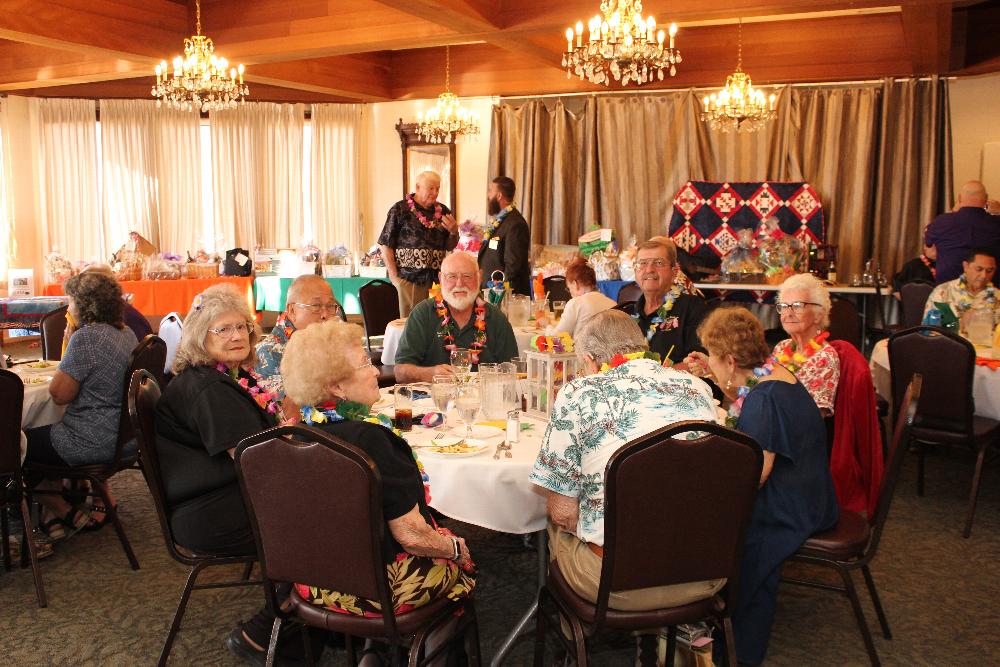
495	222
429	224
965	297
447	330
249	381
620	359
929	264
338	411
736	407
794	360
660	321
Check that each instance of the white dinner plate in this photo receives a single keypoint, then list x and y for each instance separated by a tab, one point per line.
471	447
36	379
479	431
37	367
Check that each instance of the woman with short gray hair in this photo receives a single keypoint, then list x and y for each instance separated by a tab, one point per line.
625	394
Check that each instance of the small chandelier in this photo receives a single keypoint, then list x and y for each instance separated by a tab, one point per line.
622	44
200	79
738	106
448	120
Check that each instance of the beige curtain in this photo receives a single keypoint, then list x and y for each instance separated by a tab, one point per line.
257	175
8	244
337	174
65	141
152	173
618	160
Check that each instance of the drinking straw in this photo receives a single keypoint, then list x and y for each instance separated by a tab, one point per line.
666	357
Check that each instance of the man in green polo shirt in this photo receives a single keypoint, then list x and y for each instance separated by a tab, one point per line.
425	347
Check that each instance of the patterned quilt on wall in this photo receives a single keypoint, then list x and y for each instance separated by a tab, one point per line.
707	216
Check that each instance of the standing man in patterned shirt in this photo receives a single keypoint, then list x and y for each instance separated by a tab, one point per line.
418	233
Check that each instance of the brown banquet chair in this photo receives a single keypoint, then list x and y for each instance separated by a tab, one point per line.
53	327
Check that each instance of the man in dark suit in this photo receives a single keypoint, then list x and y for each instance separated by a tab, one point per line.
507	239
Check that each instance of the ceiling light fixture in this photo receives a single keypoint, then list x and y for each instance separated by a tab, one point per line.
739	106
448	120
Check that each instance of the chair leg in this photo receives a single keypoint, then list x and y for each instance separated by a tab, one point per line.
727	630
671	646
113	515
977	477
352	657
5	531
859	615
472	635
540	627
921	452
175	624
647	650
580	641
307	645
272	643
876	602
28	547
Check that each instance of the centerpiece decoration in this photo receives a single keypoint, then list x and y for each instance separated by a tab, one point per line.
551	364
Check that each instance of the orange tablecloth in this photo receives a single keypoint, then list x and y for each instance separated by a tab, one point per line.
159	297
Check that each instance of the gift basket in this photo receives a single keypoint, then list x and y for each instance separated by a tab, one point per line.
742	264
595	240
372	264
606	263
337	263
309	258
781	255
57	268
626	260
165	266
202	265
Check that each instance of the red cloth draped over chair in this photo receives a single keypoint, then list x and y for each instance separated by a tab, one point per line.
856	461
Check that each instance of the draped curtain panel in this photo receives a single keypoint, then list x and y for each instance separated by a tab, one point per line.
338	161
152	173
618	161
257	175
65	141
8	245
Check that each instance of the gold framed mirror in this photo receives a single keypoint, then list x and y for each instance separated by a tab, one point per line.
420	155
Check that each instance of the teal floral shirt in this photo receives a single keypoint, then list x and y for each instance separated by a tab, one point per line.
596	415
269	352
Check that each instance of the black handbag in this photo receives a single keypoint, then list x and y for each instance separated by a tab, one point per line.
237	263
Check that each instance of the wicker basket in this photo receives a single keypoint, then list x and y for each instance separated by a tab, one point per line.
201	270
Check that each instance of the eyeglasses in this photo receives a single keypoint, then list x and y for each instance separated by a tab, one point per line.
453	277
228	330
329	308
795	306
368	364
655	263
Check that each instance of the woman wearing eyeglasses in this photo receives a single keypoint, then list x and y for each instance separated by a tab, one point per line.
804	307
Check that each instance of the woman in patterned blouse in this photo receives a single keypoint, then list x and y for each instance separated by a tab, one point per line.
804	307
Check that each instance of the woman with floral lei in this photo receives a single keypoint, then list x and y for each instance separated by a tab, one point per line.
327	371
796	498
804	308
213	402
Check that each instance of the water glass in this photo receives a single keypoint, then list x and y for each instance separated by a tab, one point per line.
467	403
443	391
461	361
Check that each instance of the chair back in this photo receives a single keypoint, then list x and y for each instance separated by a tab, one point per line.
913	298
677	510
555	287
897	450
630	292
148	355
379	306
171	329
53	326
845	322
12	390
285	476
948	363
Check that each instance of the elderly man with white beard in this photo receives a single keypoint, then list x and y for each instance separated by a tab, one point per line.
456	318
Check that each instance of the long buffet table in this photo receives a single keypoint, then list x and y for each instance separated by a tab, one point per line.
160	297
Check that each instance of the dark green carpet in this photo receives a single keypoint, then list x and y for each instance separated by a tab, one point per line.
940	592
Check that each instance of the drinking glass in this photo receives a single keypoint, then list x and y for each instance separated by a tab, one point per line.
443	391
558	307
403	404
461	361
467	404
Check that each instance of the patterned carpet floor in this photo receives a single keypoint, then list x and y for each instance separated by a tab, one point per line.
940	592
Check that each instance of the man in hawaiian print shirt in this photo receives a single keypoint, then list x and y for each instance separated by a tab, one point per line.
973	290
310	300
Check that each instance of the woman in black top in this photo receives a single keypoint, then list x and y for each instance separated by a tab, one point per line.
326	370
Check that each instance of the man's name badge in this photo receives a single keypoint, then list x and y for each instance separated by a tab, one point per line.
494	244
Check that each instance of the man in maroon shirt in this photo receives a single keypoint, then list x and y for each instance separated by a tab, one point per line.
956	233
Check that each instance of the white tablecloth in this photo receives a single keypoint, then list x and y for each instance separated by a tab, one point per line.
394	331
985	382
481	490
38	409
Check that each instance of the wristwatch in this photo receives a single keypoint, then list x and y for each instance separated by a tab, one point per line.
458	548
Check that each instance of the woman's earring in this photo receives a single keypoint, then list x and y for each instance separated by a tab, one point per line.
729	383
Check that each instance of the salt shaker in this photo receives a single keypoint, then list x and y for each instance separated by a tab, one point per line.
513	425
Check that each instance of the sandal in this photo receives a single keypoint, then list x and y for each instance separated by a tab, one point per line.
55	528
97	508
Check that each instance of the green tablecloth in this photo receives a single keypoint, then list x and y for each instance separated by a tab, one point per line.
271	292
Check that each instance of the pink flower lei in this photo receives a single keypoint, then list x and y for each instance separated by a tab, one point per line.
268	401
429	224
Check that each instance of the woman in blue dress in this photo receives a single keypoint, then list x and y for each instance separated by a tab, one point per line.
796	497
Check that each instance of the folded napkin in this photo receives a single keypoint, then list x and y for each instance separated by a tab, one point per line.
432	419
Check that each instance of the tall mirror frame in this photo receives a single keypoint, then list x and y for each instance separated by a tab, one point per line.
419	154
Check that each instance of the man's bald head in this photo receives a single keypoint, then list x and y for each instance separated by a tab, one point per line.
307	284
427	187
310	300
459	261
973	193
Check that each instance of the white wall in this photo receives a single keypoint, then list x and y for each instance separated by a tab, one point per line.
386	162
975	121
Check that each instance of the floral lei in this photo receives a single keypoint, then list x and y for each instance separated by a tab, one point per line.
793	360
736	407
447	330
620	359
429	224
338	411
660	321
250	382
495	222
964	301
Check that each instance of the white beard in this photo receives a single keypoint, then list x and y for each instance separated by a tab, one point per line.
461	302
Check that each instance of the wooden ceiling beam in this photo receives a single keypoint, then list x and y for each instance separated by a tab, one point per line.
927	32
361	77
462	16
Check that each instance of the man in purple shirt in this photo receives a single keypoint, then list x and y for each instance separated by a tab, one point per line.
956	233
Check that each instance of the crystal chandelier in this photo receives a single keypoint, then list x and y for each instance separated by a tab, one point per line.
447	120
200	79
622	44
738	106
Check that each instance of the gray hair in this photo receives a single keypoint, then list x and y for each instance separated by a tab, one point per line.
816	290
316	357
209	306
609	333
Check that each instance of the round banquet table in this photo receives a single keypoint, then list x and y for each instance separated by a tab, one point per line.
394	331
38	408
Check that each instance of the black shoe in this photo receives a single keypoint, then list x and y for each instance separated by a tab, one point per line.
237	644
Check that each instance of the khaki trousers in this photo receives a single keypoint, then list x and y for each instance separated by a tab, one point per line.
410	294
581	568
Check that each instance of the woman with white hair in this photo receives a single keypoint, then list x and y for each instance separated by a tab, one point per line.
804	307
625	394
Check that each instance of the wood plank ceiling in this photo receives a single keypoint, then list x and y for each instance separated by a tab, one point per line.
378	50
